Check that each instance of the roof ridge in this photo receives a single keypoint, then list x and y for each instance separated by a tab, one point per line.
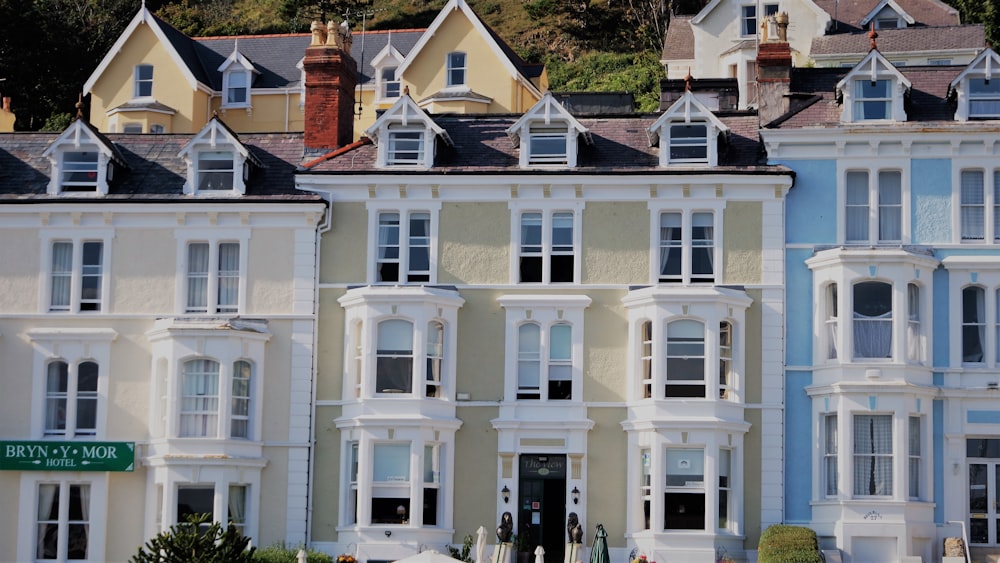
269	35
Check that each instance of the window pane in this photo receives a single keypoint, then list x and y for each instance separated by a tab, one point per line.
973	324
890	206
394	357
857	207
56	388
86	399
688	143
62	276
391	462
229	277
702	247
388	247
195	500
528	359
215	170
90	276
972	205
405	147
420	247
872	320
671	241
872	455
200	398
240	400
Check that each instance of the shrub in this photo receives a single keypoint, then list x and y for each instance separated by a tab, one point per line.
192	542
788	544
281	553
466	552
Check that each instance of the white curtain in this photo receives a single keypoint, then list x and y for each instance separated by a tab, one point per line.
873	335
670	244
238	505
388	236
55	400
973	324
996	205
873	455
48	502
702	244
62	275
197	277
972	199
84	526
914	340
857	207
528	357
890	206
229	276
200	398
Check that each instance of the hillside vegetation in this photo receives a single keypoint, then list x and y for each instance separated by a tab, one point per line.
48	48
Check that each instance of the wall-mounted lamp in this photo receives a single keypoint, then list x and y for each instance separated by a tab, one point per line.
388	533
575	493
505	492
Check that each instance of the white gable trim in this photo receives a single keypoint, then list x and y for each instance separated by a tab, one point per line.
214	135
143	17
237	58
445	12
985	64
873	66
75	136
823	15
686	109
891	4
405	112
546	110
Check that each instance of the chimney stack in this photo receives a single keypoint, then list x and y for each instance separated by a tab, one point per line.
331	77
774	69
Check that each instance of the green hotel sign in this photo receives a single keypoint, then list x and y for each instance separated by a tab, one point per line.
67	456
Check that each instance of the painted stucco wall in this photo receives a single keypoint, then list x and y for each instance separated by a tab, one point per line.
269	112
812	218
330	345
474	243
19	287
799	445
475	472
480	359
143	286
605	343
607	451
325	488
342	259
616	240
742	238
170	86
125	491
930	197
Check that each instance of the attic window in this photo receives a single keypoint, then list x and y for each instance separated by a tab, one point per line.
984	97
547	145
390	85
143	81
872	99
406	147
688	142
79	171
215	170
237	88
456	69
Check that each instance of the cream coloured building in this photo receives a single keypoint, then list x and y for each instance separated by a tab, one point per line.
157	326
543	314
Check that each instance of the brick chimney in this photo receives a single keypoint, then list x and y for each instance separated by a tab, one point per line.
774	69
331	77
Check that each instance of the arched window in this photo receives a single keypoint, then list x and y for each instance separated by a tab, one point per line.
394	357
872	320
685	359
200	399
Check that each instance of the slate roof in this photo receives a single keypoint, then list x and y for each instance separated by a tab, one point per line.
154	170
815	89
905	40
846	15
620	146
679	40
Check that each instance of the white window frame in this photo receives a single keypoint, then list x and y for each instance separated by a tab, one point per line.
831	447
26	513
540	137
139	83
76	237
204	172
406	146
389	87
209	140
74	347
988	207
657	209
367	307
453	69
213	238
226	399
70	399
228	88
545	311
915	457
405	241
974	97
70	164
76	275
873	171
219	478
685	142
689	487
548	211
748	30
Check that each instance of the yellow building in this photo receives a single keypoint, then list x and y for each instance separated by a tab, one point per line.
155	79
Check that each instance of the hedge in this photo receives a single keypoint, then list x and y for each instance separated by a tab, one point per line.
788	544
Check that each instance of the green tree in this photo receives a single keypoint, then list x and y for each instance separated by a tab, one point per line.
985	12
193	542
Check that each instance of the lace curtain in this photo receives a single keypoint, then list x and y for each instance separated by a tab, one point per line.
872	455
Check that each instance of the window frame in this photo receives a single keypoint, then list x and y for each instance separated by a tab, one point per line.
228	89
987	207
539	137
141	83
456	69
748	30
831	455
213	238
874	205
77	274
214	276
885	489
63	521
204	171
692	488
390	87
405	244
548	251
686	243
223	413
688	142
70	399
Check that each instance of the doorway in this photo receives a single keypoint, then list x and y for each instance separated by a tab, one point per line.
983	456
542	504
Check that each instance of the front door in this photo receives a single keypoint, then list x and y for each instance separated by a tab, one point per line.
542	504
983	456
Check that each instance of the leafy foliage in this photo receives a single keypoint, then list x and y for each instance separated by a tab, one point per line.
281	553
639	73
466	552
788	544
191	542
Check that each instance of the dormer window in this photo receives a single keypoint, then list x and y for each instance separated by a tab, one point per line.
237	88
218	164
390	85
405	135
82	161
548	135
547	145
688	142
873	91
215	170
977	88
687	133
456	69
872	99
143	81
748	17
406	147
887	14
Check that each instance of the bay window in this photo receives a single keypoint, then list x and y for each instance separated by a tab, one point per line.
435	359
724	465
830	448
390	503
872	455
725	358
394	357
685	359
684	494
207	410
914	449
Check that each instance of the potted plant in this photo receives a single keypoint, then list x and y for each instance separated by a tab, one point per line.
522	547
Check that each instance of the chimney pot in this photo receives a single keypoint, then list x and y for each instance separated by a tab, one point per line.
6	104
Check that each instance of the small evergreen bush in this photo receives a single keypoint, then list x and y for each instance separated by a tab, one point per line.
788	544
281	553
196	541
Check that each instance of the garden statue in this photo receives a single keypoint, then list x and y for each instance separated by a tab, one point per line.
574	529
506	527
